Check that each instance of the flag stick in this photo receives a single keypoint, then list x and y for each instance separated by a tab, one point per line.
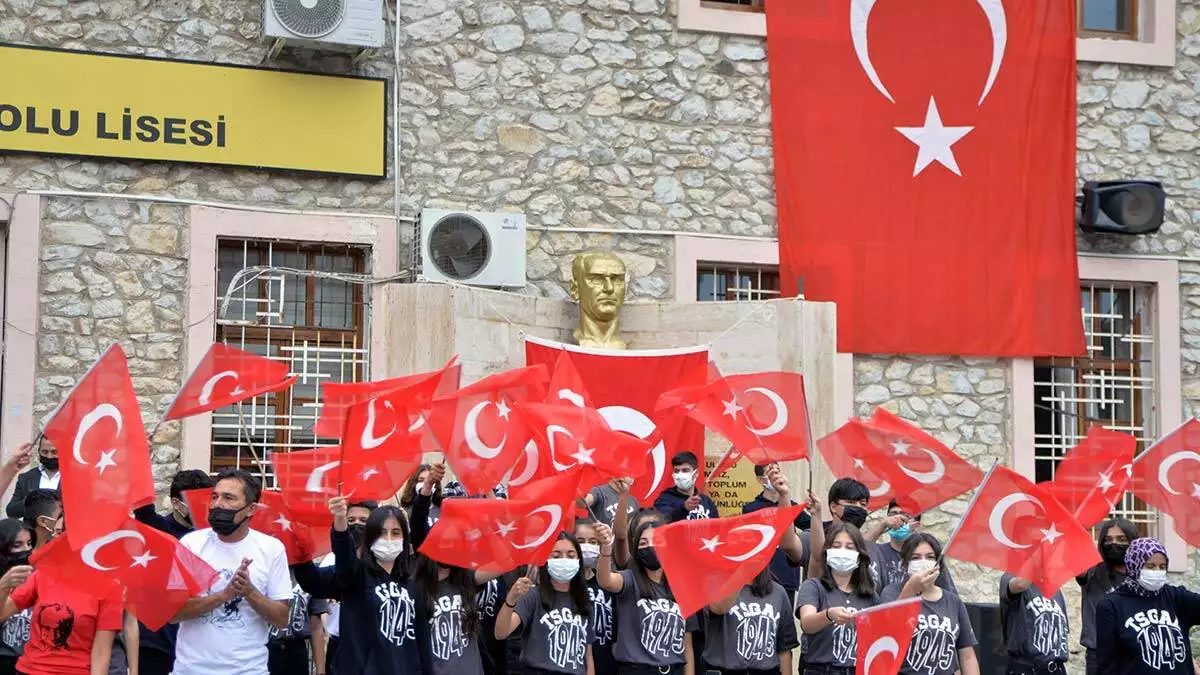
978	490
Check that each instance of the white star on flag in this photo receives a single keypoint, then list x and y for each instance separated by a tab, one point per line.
502	409
900	448
237	391
1105	482
472	535
143	560
732	408
1128	470
504	529
858	464
106	460
283	522
710	545
934	141
584	455
1196	490
1051	534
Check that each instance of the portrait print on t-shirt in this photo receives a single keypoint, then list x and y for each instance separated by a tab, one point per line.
602	619
227	615
662	627
1159	637
566	638
1049	626
397	613
55	621
698	513
933	645
757	626
446	628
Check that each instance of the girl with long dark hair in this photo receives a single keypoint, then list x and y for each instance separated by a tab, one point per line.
16	544
652	636
1112	540
555	624
761	608
602	601
827	605
449	595
385	627
1142	627
944	642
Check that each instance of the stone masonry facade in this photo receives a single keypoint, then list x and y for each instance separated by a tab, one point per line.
580	113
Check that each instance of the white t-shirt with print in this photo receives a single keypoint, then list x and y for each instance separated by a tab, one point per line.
233	637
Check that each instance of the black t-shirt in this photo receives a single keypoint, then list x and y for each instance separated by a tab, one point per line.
1036	630
555	639
1146	635
752	634
603	628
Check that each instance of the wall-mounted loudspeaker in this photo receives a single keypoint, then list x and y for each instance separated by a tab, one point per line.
1122	207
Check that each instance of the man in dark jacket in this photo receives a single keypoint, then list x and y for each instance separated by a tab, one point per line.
684	501
45	476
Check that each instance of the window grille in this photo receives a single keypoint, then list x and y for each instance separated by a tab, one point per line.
735	5
317	325
716	282
1113	386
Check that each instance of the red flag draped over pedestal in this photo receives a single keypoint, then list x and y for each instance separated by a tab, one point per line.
925	171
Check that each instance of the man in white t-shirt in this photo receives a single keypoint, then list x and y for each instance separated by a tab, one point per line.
226	631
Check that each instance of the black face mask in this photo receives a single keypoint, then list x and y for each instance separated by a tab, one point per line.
357	532
222	521
49	463
18	559
855	515
1114	554
648	559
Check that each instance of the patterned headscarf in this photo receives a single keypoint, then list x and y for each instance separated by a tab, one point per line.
1139	553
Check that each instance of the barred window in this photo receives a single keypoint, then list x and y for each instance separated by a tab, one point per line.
317	325
717	281
735	5
1113	386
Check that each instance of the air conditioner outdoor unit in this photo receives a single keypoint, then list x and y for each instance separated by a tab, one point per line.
325	23
480	249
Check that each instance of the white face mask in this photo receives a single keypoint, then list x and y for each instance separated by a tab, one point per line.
387	550
562	570
768	487
685	480
841	560
1152	580
591	553
920	566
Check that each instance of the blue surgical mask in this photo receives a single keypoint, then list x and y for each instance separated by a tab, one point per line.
900	533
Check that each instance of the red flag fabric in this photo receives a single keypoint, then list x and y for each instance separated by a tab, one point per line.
940	475
385	425
579	437
105	453
477	430
303	539
159	575
1167	476
308	479
566	388
931	193
852	451
884	633
225	376
1015	526
1091	478
338	397
624	386
710	559
498	535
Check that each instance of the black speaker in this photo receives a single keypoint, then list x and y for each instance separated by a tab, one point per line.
1122	207
989	631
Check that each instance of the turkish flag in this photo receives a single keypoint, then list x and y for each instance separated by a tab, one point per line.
884	633
338	397
308	479
225	376
853	451
710	559
579	437
1091	478
1167	476
105	453
939	474
624	385
498	535
159	574
303	540
385	425
477	430
566	388
1015	526
925	172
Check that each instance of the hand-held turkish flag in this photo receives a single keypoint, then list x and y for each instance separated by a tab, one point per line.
579	437
338	397
225	376
384	425
853	451
624	386
566	388
1167	476
1091	478
308	479
884	633
105	453
939	474
889	191
1015	526
159	574
477	429
710	559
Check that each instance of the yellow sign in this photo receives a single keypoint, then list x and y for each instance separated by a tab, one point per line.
732	489
76	103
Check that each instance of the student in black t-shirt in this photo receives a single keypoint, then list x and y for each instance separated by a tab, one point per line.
827	604
1035	627
1142	627
16	544
602	601
450	595
752	631
1112	541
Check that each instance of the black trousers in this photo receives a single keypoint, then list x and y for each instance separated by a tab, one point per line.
155	662
288	656
8	665
635	669
331	650
1054	668
1091	664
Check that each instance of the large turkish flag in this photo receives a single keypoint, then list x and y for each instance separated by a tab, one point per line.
925	171
624	386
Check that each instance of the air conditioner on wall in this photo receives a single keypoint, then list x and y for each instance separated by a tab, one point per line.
479	249
325	23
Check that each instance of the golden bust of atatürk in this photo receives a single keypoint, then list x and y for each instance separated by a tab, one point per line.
598	284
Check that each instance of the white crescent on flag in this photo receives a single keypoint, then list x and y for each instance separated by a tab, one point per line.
88	554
